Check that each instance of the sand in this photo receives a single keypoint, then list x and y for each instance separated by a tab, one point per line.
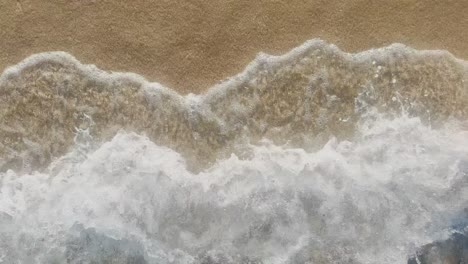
190	45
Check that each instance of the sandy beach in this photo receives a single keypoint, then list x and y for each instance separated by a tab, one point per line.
191	45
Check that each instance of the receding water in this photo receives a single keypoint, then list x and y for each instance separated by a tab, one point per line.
317	156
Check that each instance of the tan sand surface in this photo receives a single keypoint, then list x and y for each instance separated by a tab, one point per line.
189	45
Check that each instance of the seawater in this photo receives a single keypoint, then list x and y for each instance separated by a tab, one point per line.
316	156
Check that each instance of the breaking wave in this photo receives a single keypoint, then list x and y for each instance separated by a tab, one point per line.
316	156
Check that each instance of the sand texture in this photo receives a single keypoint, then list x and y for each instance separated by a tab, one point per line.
190	45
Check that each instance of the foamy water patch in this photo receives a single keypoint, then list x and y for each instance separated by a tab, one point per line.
375	199
315	156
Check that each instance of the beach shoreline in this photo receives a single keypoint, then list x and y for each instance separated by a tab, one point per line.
192	45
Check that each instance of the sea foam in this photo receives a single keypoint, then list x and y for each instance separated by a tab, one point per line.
316	156
396	187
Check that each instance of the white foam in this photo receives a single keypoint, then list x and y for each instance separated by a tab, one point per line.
396	187
252	68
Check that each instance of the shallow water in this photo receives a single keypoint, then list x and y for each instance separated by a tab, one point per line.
317	156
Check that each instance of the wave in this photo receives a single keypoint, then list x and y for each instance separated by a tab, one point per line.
396	187
316	156
299	99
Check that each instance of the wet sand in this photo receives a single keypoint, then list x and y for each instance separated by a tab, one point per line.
191	45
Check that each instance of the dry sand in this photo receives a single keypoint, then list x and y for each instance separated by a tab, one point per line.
189	45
